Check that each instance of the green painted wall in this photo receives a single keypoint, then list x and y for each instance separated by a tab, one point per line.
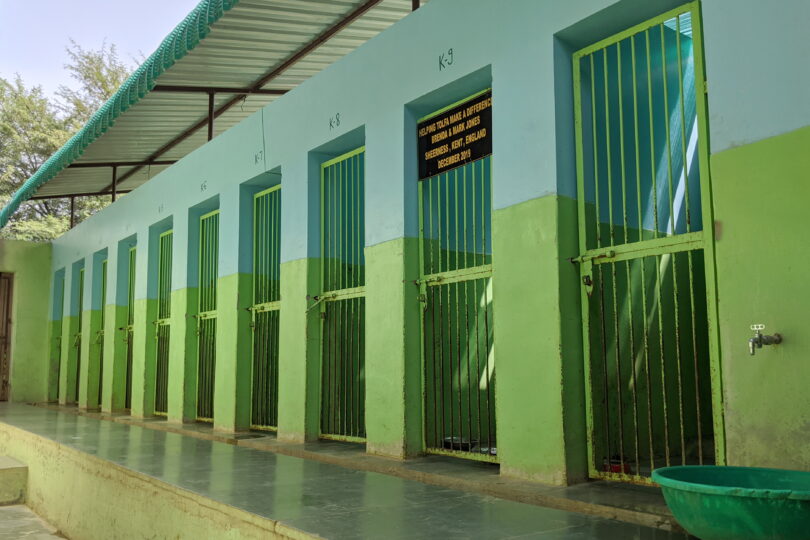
115	357
760	194
90	352
393	349
299	352
69	357
183	356
232	381
54	358
144	359
540	412
30	346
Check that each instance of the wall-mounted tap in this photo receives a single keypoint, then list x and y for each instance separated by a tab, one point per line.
760	339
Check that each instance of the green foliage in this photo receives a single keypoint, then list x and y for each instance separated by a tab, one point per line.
33	127
99	74
42	229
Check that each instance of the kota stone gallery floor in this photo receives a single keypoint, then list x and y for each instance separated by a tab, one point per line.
319	498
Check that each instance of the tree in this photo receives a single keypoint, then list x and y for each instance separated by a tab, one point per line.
33	127
99	73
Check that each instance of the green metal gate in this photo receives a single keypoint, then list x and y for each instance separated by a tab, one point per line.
265	309
100	332
129	329
455	249
77	339
342	298
207	314
59	288
645	255
163	323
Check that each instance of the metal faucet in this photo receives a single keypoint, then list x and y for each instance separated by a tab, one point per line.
759	339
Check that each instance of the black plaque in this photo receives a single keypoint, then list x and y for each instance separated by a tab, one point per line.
456	137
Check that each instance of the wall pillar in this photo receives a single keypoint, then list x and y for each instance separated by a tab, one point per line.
232	390
144	348
183	341
111	333
541	433
91	319
299	364
70	326
115	335
299	352
55	334
393	333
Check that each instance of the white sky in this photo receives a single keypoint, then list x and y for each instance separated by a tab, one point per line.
34	33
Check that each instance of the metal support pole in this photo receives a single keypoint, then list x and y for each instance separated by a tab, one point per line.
114	182
210	115
414	5
72	211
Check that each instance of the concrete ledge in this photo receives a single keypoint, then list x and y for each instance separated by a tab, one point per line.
91	498
13	481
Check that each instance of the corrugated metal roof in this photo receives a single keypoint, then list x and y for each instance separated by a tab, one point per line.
221	44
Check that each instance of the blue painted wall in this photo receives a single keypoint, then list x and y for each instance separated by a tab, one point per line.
520	48
756	59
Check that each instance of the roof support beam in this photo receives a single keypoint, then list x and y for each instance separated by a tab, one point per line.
216	90
72	211
342	23
120	164
210	115
88	194
414	5
114	183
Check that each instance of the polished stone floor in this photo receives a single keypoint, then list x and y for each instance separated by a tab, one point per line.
18	522
328	500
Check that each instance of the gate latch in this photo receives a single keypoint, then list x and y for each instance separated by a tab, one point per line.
587	258
587	277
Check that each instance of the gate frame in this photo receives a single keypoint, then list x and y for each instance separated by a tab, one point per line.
704	239
77	337
99	337
165	321
204	315
261	308
129	327
56	344
334	295
447	277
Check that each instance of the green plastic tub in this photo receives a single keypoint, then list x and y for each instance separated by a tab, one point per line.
738	503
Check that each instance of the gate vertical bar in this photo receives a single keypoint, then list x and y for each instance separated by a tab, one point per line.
342	296
266	308
207	314
77	343
59	289
130	326
100	334
163	322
